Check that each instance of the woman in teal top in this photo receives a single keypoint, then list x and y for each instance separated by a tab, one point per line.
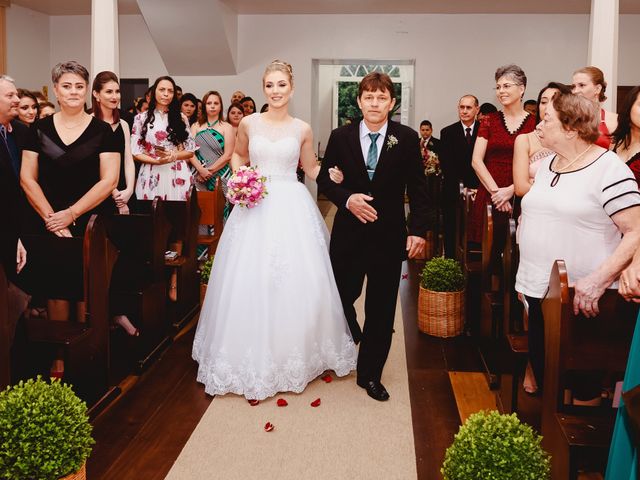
216	140
623	454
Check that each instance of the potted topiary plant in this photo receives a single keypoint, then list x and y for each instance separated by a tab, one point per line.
441	298
492	446
205	273
44	432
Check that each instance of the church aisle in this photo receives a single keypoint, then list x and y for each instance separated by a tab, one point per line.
142	435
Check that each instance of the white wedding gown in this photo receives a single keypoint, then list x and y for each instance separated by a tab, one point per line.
272	320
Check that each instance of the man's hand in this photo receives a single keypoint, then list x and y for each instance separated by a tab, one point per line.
21	257
357	204
415	246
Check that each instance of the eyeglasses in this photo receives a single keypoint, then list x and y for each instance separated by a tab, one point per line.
506	86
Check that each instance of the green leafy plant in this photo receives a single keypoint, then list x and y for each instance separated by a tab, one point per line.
442	275
44	431
205	271
491	446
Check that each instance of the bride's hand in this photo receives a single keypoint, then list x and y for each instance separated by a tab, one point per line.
336	175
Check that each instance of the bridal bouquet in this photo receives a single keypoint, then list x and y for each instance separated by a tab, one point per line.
246	187
431	164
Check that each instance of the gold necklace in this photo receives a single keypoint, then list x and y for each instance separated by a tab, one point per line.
72	126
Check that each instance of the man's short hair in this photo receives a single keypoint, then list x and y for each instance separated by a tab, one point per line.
427	123
376	81
468	95
530	102
7	78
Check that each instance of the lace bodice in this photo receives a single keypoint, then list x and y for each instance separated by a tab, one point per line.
275	150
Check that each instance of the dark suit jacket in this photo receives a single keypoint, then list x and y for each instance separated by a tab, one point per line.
12	200
399	168
433	145
455	159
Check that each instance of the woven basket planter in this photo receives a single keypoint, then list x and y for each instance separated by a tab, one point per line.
441	314
79	475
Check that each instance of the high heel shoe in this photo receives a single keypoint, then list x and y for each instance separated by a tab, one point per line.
127	326
529	383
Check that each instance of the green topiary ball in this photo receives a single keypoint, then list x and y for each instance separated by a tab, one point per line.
442	275
491	446
44	431
205	271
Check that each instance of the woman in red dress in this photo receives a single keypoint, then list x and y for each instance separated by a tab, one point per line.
589	82
626	137
493	152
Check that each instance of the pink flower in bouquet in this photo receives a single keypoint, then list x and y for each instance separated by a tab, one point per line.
246	187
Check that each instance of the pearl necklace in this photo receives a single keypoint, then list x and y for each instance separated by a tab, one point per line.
556	178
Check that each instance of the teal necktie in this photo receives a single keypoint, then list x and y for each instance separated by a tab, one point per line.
372	156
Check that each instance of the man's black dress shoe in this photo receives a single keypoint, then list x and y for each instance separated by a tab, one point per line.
374	389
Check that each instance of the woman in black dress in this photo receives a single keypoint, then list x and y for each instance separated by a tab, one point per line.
70	165
105	99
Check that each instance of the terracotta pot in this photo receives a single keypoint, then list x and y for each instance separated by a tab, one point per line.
79	475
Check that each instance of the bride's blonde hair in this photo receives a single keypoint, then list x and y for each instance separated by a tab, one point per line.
279	66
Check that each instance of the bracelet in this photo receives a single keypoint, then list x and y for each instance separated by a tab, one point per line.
73	217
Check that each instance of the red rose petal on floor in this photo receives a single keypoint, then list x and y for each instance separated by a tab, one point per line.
282	402
327	378
268	427
315	403
253	403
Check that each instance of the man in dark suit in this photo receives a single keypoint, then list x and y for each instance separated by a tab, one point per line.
379	159
456	148
12	137
428	143
13	255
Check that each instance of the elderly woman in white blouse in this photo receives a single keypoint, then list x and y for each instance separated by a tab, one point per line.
584	208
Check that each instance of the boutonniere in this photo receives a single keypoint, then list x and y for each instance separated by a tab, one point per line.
392	141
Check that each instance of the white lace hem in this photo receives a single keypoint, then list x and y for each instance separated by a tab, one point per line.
257	382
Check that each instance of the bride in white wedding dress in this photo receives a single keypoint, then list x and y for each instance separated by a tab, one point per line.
272	320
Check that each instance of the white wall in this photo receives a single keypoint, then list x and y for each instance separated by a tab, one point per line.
28	47
454	54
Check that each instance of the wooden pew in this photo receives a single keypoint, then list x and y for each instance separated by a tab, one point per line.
470	261
184	218
491	304
578	437
517	342
5	346
212	213
139	287
75	269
